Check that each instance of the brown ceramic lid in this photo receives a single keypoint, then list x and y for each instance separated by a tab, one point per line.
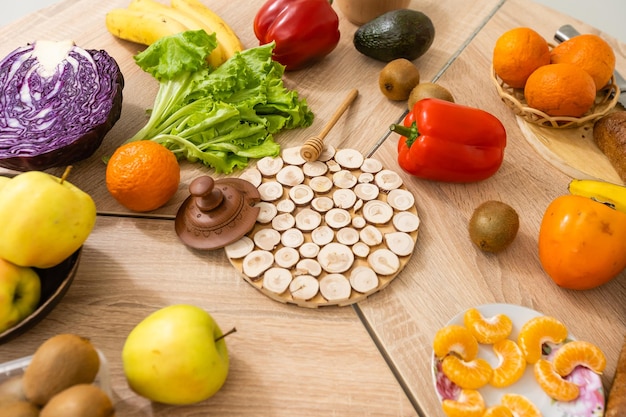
217	213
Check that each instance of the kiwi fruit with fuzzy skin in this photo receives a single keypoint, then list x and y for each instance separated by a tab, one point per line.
59	362
81	400
493	226
398	78
428	90
21	408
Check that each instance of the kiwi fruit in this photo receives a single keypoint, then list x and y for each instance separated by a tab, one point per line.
493	226
398	78
21	408
80	400
428	90
58	363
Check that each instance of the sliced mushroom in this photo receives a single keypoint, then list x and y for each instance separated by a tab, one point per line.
400	199
322	235
400	243
349	158
277	279
344	179
333	166
327	153
269	166
257	262
301	194
270	191
253	176
384	262
405	221
321	185
335	258
344	198
388	180
309	250
371	165
361	249
285	206
358	222
371	236
286	257
337	218
290	175
322	204
377	212
292	238
363	279
267	238
308	219
347	236
292	156
239	248
308	267
314	168
304	287
365	178
335	287
267	211
366	191
283	221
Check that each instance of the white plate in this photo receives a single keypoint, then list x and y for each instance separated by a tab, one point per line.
589	403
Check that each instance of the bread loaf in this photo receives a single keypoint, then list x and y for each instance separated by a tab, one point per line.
609	133
616	404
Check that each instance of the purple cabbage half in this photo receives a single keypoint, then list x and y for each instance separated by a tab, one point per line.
57	102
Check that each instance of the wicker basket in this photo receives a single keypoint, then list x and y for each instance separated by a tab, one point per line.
514	98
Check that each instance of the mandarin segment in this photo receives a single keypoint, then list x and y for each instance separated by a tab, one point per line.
457	339
472	374
518	53
470	403
498	410
537	331
511	366
519	405
553	384
578	353
487	330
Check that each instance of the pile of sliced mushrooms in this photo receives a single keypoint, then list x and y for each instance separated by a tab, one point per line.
329	232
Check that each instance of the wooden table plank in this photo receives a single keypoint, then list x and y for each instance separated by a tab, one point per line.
447	274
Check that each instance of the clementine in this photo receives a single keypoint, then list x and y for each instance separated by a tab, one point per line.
517	53
142	175
589	52
560	90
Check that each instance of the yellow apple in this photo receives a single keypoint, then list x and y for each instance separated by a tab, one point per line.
43	219
3	181
20	291
176	356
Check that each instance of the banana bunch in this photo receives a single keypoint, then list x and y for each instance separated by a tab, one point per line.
604	192
145	21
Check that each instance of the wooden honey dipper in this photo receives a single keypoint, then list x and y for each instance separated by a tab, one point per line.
312	148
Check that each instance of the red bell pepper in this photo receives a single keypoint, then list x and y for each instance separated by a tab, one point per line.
445	141
305	31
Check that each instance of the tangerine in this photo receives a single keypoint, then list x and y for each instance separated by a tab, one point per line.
457	339
589	52
537	331
560	90
512	363
498	410
487	330
142	175
519	405
472	374
518	53
553	384
578	353
469	404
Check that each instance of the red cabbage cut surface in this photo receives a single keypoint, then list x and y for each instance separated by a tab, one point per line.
55	109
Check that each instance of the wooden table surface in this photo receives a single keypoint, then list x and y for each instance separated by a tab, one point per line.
371	358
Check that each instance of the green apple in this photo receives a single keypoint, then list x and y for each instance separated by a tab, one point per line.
43	219
176	355
20	290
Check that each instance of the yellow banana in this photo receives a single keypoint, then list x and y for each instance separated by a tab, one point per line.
603	192
141	26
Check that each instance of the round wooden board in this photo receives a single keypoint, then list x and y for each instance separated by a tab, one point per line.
572	151
319	300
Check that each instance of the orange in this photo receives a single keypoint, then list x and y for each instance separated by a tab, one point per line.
537	331
472	374
469	404
519	405
560	90
457	339
142	175
498	410
578	353
517	53
589	52
511	366
553	384
487	330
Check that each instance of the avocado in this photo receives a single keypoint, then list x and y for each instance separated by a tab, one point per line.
401	33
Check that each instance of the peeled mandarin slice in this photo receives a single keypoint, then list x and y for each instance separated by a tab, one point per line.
537	331
553	384
519	405
498	411
511	366
472	374
578	353
487	330
469	404
457	339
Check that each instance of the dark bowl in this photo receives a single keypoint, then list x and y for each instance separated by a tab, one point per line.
55	282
